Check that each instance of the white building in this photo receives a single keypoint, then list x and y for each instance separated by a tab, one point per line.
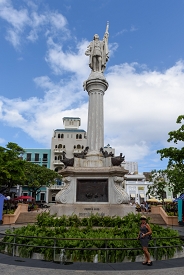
136	186
131	166
69	140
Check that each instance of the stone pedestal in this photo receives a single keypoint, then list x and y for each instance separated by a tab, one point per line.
93	185
86	210
93	177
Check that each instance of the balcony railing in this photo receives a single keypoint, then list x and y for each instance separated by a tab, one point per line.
37	159
45	159
55	186
34	159
59	150
77	150
57	162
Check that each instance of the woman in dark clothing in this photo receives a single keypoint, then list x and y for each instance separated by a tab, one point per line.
144	237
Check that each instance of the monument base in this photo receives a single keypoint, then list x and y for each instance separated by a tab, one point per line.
86	210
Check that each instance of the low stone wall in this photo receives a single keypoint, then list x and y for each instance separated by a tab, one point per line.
169	220
11	218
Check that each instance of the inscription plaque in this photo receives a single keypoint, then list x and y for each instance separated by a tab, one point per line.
92	190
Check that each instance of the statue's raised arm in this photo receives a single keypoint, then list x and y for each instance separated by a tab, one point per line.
98	52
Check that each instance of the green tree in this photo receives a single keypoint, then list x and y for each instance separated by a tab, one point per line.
160	183
11	166
38	176
175	156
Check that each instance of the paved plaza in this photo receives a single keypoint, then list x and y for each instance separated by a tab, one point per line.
15	265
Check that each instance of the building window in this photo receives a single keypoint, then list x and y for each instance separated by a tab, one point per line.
53	197
80	136
45	157
78	146
36	157
77	136
60	157
58	135
60	146
55	146
42	196
55	157
63	146
28	157
62	136
74	146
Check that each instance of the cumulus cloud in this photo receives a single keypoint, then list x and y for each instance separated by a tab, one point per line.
27	23
71	61
140	107
143	106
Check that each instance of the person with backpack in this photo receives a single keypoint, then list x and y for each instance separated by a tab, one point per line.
144	237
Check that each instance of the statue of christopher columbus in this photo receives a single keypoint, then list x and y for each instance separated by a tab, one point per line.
98	52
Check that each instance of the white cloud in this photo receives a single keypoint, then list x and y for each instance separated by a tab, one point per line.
2	141
27	23
140	107
68	61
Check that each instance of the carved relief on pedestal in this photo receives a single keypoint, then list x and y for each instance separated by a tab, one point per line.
121	194
61	196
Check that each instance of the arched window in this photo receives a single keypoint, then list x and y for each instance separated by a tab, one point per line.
80	136
82	147
60	157
55	157
58	135
63	146
77	136
78	146
55	146
56	169
74	146
60	146
62	136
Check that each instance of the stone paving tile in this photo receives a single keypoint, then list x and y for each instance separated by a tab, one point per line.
12	270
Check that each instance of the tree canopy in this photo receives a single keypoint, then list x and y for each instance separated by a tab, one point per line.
159	180
38	176
175	156
11	166
16	171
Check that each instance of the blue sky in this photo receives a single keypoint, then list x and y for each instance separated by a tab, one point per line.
43	66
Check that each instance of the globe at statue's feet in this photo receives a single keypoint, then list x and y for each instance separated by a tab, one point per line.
96	75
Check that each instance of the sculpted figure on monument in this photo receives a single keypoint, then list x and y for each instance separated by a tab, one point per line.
67	162
105	153
116	161
98	52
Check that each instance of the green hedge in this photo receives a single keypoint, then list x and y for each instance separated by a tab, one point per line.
73	227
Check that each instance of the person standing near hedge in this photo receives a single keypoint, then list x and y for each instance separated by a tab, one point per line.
144	237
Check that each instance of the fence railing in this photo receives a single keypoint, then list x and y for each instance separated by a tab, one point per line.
54	247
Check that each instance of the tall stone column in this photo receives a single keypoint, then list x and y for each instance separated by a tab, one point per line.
96	85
